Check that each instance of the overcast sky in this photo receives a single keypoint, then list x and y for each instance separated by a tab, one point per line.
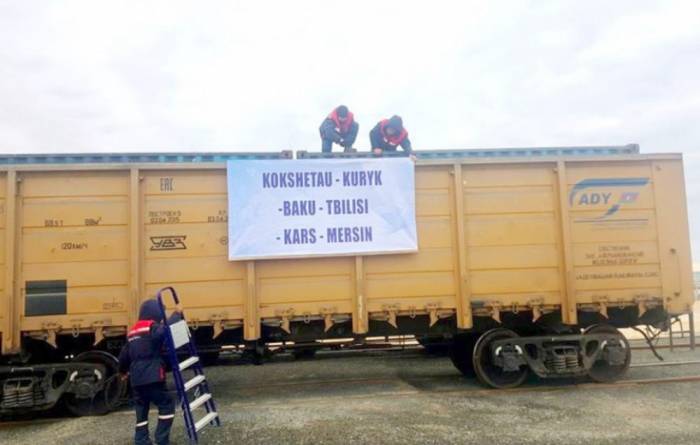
261	75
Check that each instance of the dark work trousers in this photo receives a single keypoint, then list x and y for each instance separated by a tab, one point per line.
157	394
326	145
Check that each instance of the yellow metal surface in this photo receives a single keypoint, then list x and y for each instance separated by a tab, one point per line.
493	235
675	274
462	257
565	240
7	238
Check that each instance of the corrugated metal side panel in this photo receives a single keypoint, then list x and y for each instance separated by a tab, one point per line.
74	228
614	232
624	222
307	287
185	214
674	241
416	282
511	235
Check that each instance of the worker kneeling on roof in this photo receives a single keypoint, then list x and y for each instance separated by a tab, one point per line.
388	134
339	128
140	360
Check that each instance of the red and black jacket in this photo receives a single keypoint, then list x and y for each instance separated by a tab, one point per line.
335	130
379	138
342	127
141	356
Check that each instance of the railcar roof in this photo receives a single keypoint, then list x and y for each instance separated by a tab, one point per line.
206	157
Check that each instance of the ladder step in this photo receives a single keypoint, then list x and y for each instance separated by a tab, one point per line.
189	362
199	401
196	380
204	421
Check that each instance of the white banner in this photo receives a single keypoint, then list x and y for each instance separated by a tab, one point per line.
320	207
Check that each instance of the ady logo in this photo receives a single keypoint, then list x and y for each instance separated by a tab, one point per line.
588	193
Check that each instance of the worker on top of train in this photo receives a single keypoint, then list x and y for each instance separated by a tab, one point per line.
339	128
389	134
140	360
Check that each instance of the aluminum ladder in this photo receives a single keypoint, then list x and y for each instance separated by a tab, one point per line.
178	337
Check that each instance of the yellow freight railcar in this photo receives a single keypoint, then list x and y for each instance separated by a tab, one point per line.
528	260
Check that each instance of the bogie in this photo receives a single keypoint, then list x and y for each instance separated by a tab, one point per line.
502	359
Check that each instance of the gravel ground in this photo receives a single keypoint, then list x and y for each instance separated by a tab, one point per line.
409	397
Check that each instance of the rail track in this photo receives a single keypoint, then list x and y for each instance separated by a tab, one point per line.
476	391
410	390
383	380
413	349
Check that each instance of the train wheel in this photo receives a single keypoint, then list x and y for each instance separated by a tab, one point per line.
486	369
85	403
602	371
461	351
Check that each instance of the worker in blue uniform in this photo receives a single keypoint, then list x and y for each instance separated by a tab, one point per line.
339	128
389	134
140	361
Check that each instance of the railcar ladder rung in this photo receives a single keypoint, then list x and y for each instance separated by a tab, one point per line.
199	401
194	381
187	363
204	421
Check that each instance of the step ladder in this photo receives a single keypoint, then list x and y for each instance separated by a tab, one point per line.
178	336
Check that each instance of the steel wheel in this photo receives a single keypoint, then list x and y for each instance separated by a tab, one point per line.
602	371
106	399
486	370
